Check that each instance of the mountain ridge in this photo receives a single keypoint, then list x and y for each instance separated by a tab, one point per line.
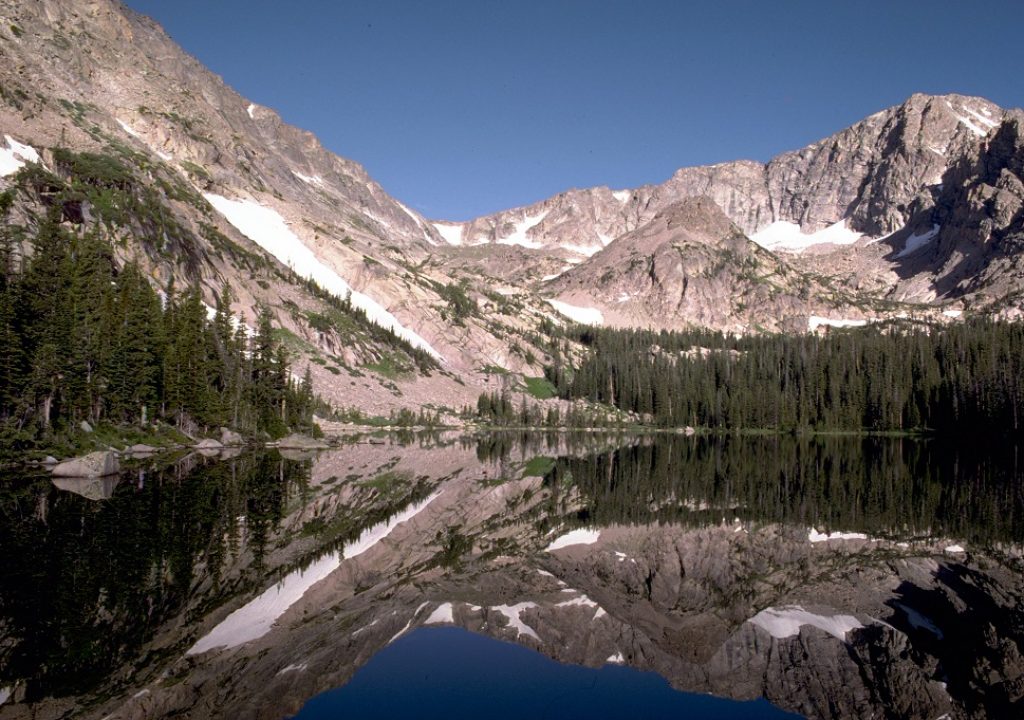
98	77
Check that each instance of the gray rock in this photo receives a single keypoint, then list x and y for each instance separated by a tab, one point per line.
99	488
141	449
97	464
230	437
300	442
85	426
208	444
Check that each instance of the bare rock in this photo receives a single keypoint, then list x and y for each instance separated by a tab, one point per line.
208	444
300	442
230	438
94	488
97	464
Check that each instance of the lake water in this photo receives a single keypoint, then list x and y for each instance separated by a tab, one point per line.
535	575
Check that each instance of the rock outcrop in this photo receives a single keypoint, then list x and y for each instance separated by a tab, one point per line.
96	464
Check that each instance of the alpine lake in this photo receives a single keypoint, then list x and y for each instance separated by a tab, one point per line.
527	575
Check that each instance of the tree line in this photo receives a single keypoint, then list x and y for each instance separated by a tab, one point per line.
965	377
85	339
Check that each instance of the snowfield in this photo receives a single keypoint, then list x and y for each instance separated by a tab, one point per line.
265	227
816	321
518	236
442	614
581	536
587	316
784	622
916	242
255	619
512	612
784	235
15	155
815	537
452	234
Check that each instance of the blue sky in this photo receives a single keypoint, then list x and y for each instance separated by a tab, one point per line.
464	107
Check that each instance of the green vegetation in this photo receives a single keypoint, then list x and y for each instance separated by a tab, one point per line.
390	367
538	466
540	388
86	340
965	378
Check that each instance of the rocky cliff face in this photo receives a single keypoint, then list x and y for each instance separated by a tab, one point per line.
264	205
691	262
877	179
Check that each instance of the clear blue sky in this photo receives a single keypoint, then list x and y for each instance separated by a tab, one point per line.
464	107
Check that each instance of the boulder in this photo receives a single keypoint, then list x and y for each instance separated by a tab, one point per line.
208	444
300	442
141	450
96	464
230	437
85	426
96	488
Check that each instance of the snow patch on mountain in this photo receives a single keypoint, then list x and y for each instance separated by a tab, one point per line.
251	110
265	227
419	223
584	315
815	321
309	180
442	614
15	155
784	622
982	119
622	195
971	126
785	235
129	129
581	536
512	612
815	537
916	242
452	234
519	234
255	619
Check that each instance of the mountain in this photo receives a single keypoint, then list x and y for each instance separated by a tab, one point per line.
912	212
853	209
252	199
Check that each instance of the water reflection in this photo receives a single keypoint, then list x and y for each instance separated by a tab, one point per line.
692	557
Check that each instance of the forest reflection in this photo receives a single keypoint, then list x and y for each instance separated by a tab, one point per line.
90	578
900	488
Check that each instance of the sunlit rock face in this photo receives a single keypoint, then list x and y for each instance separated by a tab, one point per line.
268	581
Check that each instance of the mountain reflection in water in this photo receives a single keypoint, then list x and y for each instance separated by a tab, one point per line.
442	673
834	576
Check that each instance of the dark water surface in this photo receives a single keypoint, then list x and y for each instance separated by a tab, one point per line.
437	673
698	571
